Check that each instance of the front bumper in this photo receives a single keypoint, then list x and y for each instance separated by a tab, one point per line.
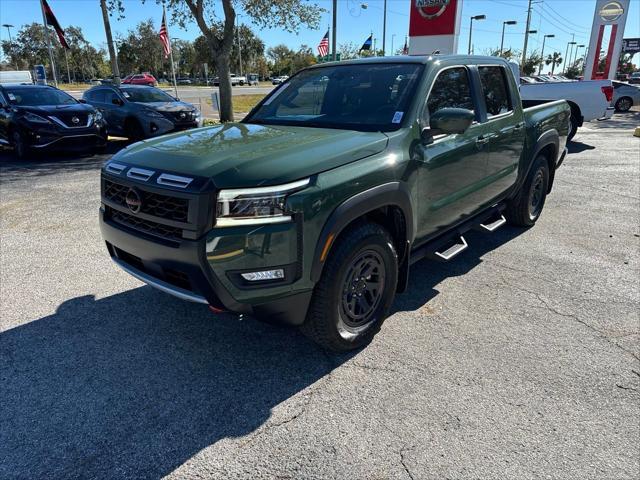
199	271
51	138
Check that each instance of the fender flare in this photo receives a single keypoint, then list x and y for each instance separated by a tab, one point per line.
550	137
395	194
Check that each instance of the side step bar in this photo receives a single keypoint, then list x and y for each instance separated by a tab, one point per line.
453	251
493	226
452	243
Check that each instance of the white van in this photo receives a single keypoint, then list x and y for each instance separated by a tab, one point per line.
15	76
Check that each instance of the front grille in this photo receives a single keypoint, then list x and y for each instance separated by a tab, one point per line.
145	226
163	206
177	117
67	119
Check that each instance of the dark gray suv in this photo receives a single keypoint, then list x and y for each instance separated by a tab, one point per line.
137	111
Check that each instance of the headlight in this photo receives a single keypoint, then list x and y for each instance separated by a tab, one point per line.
97	116
255	206
33	118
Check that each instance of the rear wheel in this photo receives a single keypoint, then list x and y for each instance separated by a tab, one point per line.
624	104
573	126
356	290
525	209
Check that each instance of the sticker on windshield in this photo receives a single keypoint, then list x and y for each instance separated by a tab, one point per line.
276	93
12	97
397	117
126	94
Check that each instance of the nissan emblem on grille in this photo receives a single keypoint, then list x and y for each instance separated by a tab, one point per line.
75	120
183	115
133	200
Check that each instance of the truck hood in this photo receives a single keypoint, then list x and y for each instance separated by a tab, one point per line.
238	155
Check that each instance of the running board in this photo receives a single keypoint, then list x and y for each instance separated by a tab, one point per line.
493	226
453	251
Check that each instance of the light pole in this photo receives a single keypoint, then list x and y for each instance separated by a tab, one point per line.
508	22
392	50
567	55
8	26
542	54
575	54
475	17
384	28
333	33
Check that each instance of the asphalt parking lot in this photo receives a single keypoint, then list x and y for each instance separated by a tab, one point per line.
520	359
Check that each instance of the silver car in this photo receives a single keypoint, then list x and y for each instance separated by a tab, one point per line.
625	96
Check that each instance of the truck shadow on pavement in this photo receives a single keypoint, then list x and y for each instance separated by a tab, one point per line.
135	384
426	274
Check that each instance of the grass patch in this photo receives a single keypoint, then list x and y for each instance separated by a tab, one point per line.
244	103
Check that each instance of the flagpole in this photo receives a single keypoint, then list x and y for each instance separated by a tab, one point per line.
46	34
173	68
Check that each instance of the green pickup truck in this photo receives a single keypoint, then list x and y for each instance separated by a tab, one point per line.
311	210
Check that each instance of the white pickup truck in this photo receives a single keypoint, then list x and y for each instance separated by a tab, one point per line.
589	100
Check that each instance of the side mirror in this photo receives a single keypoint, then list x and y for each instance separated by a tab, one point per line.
449	121
82	100
117	101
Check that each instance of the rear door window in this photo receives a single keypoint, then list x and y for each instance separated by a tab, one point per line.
451	90
495	90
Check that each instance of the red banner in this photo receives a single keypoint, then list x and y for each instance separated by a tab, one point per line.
432	17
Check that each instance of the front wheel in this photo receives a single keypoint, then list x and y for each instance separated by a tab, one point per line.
356	290
525	209
573	127
19	146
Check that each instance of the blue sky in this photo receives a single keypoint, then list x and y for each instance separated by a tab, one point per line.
559	17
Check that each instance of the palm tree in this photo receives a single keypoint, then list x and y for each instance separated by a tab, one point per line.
554	59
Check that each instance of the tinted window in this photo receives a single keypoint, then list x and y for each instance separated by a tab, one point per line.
97	96
451	90
146	95
38	96
365	96
496	93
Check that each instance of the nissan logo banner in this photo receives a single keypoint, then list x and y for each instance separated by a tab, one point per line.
434	25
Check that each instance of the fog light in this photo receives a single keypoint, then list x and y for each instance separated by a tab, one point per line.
264	275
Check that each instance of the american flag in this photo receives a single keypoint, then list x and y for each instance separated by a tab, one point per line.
164	35
323	46
405	50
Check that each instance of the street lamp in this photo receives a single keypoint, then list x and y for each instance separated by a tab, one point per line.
508	22
8	26
476	17
575	56
566	52
542	54
392	37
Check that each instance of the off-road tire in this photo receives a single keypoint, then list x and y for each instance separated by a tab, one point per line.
329	320
525	208
573	127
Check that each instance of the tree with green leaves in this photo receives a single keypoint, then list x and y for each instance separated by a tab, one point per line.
553	59
533	60
216	21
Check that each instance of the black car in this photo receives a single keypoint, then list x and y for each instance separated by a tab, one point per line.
39	117
137	111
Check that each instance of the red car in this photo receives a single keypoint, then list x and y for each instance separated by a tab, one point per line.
140	79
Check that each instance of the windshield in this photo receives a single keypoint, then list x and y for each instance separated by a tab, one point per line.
367	97
36	97
146	95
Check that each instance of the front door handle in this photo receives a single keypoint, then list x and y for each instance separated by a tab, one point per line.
518	127
484	139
